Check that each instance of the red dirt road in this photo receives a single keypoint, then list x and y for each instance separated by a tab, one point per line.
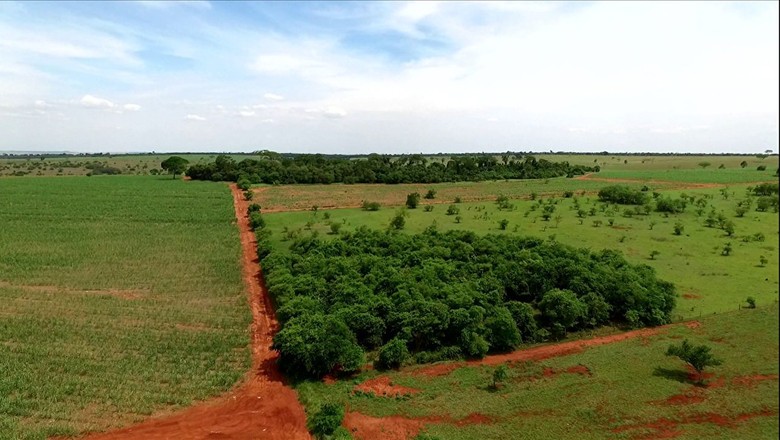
263	407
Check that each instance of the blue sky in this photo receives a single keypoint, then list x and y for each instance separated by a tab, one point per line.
393	77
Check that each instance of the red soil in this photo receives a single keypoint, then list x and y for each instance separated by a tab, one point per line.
365	427
684	399
263	406
750	381
691	296
545	351
667	428
381	386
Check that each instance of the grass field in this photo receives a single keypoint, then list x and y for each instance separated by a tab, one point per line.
623	390
121	297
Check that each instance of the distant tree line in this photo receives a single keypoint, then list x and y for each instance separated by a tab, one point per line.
432	296
315	168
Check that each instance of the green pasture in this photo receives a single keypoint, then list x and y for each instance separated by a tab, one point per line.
725	176
708	281
121	298
627	386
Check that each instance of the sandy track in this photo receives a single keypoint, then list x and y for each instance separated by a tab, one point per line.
263	407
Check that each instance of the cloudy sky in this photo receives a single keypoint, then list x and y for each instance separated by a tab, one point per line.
397	77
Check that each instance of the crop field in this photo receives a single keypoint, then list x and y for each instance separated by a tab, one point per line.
121	298
625	390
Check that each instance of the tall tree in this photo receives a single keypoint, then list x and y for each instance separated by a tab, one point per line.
175	165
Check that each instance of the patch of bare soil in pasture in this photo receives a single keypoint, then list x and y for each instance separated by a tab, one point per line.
671	428
382	386
364	427
263	407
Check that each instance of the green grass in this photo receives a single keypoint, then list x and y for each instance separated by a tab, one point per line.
709	175
121	298
693	260
628	384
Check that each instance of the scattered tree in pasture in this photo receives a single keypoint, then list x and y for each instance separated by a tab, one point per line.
335	227
763	261
412	200
399	221
751	302
623	195
654	253
370	206
502	224
678	228
428	208
431	194
174	165
500	374
652	224
743	164
704	164
458	219
728	228
697	356
452	210
761	168
726	250
596	223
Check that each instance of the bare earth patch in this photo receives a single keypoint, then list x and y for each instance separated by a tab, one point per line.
382	386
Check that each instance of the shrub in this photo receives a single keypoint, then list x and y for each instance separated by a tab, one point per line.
503	224
325	421
398	222
457	199
254	207
335	227
256	220
623	195
678	228
431	194
697	356
568	194
672	206
500	374
412	200
243	184
428	208
393	354
370	206
453	210
751	302
248	194
761	168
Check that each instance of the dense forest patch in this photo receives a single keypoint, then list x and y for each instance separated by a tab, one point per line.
315	168
434	296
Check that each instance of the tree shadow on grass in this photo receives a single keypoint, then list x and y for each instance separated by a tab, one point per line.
681	376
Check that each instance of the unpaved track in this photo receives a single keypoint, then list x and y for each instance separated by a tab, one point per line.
263	407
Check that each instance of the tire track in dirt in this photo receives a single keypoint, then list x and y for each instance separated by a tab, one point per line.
263	407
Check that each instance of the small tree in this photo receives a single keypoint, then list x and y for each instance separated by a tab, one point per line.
175	165
743	164
751	302
412	200
453	210
728	228
678	228
697	356
393	354
248	194
335	227
431	194
704	164
457	199
763	260
399	221
458	219
726	250
326	420
654	254
500	374
652	224
503	224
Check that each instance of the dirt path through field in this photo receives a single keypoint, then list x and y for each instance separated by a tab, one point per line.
263	407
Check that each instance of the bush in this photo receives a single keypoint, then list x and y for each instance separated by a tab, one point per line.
453	210
431	194
243	184
751	302
428	208
254	207
503	224
248	195
392	355
412	200
398	222
761	168
256	220
335	227
325	421
678	228
370	206
623	195
672	206
697	356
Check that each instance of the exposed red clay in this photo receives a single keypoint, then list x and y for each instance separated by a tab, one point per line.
750	381
364	427
263	407
382	386
668	428
691	296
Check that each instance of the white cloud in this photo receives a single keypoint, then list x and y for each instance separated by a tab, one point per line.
246	113
41	104
334	112
273	97
192	117
90	101
132	107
